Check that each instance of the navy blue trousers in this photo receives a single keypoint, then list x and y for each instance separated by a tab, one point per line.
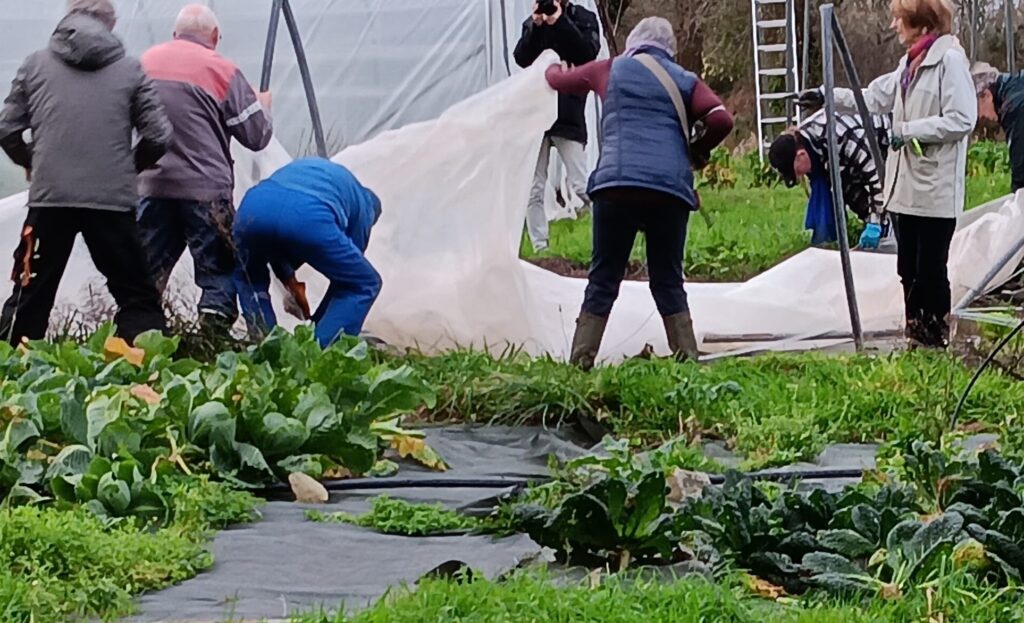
168	226
619	215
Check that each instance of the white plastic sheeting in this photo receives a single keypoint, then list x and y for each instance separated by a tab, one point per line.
377	64
454	193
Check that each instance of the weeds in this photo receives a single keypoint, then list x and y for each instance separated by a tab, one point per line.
57	565
392	516
643	598
772	409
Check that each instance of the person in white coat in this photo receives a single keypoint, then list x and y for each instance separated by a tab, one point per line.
931	97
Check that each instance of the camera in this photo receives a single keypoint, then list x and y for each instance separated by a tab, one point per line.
547	7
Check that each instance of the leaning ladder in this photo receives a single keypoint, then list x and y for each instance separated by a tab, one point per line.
774	27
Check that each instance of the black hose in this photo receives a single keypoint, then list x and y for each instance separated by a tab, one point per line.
369	484
977	374
363	484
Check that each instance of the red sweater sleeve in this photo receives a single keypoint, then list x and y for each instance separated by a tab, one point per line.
580	80
706	107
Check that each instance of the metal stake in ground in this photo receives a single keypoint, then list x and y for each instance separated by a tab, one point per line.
862	107
838	202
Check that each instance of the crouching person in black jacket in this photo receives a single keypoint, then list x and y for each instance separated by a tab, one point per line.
571	31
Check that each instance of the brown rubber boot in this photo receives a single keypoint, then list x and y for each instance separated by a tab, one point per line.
681	340
587	341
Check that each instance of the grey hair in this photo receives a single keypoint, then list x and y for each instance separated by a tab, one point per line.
654	31
197	20
984	76
102	10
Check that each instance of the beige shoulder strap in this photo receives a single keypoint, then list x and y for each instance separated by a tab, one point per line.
670	87
676	96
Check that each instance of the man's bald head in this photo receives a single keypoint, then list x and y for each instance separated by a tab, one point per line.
199	21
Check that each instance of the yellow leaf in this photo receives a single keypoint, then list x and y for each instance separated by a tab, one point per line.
890	592
36	455
115	348
763	588
146	394
337	473
418	450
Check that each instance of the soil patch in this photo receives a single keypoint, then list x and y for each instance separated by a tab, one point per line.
635	271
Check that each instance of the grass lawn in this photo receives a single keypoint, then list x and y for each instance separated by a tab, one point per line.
60	564
528	598
773	409
754	229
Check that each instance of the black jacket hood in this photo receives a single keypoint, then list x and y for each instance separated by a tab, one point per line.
84	42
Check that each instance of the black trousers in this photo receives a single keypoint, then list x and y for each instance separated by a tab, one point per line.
921	263
618	216
40	259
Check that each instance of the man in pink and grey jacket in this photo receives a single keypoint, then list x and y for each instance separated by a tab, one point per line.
187	197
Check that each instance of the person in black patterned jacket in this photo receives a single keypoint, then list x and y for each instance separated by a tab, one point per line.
793	153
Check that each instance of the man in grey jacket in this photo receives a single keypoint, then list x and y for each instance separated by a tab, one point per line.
187	197
82	97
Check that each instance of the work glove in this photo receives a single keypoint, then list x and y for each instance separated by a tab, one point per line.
871	236
811	98
295	301
896	142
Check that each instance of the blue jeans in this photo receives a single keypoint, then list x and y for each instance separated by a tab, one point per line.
286	229
168	226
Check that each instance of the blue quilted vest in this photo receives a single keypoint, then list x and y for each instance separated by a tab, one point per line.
642	141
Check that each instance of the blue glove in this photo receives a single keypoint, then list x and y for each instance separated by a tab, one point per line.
871	236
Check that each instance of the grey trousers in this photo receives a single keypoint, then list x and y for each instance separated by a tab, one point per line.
574	157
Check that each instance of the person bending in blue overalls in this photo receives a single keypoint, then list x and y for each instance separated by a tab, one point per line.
314	212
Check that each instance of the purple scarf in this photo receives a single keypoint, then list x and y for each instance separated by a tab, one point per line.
915	58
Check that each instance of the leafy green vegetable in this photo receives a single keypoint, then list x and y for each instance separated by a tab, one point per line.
393	516
876	537
102	424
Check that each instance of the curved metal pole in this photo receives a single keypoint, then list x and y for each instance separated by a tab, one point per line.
268	51
805	78
1011	51
838	203
862	107
307	80
972	15
790	58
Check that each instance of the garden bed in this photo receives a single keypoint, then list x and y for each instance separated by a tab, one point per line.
756	222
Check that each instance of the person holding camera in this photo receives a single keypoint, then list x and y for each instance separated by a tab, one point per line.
573	32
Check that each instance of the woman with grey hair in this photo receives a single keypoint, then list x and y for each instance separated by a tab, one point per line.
644	177
1001	101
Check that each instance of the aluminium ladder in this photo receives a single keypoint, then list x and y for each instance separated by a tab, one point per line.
776	75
